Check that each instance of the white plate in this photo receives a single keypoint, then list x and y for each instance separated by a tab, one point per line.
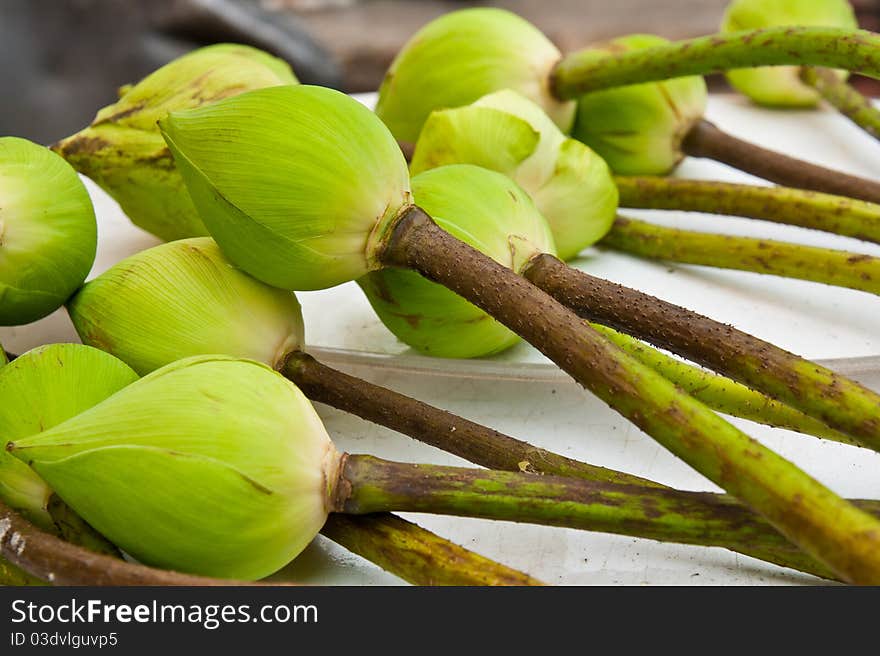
521	393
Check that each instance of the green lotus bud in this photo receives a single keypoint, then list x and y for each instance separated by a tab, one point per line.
638	129
211	465
43	388
504	131
123	151
491	213
781	86
183	299
289	196
462	56
48	233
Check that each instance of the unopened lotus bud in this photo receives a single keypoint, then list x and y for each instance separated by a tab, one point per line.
491	213
504	131
211	465
43	388
638	129
781	86
296	184
462	56
48	233
182	299
123	151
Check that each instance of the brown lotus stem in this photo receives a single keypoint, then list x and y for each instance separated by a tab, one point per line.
844	97
706	140
766	256
814	390
798	207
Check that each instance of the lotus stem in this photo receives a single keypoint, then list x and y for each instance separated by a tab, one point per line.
723	394
426	559
836	214
843	97
853	50
823	265
809	514
706	140
837	401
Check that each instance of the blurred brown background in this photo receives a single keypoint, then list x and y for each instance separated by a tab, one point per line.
60	60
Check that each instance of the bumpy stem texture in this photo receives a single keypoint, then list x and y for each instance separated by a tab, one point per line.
53	560
368	484
823	265
473	442
721	393
423	557
845	98
815	390
706	140
807	209
853	50
826	526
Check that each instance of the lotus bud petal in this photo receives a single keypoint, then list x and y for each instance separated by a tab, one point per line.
781	86
296	183
43	388
182	299
638	129
48	233
211	465
462	56
504	131
491	213
123	151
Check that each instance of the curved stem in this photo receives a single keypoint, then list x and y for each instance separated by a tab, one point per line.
723	394
815	390
425	558
807	209
776	258
809	514
706	140
843	97
854	50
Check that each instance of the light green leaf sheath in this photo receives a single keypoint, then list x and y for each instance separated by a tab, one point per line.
781	86
123	151
295	183
182	299
211	465
48	233
41	389
491	213
505	132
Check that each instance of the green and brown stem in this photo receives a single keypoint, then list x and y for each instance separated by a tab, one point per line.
816	391
854	50
843	97
776	258
367	485
827	527
807	209
487	447
706	140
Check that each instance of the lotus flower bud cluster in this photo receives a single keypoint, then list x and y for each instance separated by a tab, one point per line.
295	183
43	388
462	56
491	213
781	86
504	131
183	299
638	129
48	233
123	151
236	461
